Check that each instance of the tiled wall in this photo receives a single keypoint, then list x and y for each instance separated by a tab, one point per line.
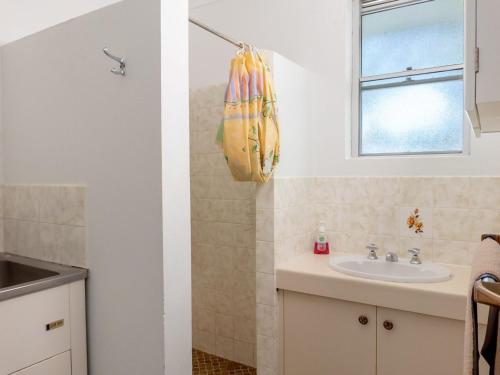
359	210
223	240
46	222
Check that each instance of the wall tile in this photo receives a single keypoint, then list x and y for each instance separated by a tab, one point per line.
265	225
10	235
21	202
204	341
454	252
416	191
62	205
267	320
266	289
28	209
451	192
224	325
265	257
2	245
265	195
244	306
244	353
266	352
28	239
485	192
204	320
63	244
383	191
245	330
224	347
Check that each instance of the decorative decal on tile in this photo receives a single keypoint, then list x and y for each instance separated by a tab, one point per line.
414	221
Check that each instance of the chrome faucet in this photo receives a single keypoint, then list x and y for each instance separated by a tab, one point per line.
415	259
391	257
372	251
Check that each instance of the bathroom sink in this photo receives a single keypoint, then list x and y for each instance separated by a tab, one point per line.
380	269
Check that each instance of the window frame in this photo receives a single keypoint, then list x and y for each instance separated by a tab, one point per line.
358	79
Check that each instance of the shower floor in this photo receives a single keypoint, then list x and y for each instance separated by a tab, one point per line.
208	364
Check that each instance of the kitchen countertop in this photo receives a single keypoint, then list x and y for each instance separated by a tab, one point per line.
57	275
311	274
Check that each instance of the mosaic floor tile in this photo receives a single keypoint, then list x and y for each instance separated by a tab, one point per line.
208	364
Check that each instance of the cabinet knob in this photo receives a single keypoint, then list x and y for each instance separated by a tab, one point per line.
388	325
363	320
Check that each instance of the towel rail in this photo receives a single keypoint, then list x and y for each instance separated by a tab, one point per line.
486	289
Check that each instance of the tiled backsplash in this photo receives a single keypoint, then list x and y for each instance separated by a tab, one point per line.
223	240
46	222
455	212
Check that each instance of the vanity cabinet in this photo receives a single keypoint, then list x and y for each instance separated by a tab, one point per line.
324	336
418	344
482	59
43	333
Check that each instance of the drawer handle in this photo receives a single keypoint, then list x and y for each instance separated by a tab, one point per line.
388	325
363	320
54	325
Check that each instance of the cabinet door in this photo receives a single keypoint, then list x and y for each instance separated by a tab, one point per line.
418	344
58	365
323	336
33	327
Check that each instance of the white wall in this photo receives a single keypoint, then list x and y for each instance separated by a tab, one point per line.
176	188
291	82
67	119
20	18
316	34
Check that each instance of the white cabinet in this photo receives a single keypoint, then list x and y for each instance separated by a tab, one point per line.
23	322
418	344
482	62
324	336
58	365
42	325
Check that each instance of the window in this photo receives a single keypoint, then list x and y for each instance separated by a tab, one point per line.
408	77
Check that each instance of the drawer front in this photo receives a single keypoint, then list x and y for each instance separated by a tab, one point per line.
58	365
33	328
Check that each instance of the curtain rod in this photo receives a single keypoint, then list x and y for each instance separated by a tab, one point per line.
215	32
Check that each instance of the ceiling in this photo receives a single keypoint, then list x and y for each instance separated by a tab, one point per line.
20	18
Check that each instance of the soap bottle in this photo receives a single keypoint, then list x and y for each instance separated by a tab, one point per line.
321	246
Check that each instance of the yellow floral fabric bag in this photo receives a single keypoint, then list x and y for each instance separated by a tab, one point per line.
250	128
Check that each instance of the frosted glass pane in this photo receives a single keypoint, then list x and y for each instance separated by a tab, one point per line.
419	36
424	114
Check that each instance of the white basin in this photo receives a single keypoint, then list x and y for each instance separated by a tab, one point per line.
380	269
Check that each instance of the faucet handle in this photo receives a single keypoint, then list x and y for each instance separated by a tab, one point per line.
372	251
415	252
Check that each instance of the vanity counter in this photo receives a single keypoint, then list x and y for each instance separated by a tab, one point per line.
312	274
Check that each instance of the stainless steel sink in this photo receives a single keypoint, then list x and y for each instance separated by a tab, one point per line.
12	273
20	275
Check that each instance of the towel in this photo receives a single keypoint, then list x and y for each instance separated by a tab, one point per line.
250	128
486	260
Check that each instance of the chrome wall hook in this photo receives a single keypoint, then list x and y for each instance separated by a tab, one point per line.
121	71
